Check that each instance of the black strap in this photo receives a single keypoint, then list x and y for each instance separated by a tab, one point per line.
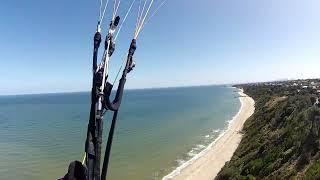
108	147
91	141
115	105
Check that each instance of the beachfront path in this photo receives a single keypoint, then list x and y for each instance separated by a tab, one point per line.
207	166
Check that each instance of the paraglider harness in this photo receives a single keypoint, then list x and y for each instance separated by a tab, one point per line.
100	104
89	168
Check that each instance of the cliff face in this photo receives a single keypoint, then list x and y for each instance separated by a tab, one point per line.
281	139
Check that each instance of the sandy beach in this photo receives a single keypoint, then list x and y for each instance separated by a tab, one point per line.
209	162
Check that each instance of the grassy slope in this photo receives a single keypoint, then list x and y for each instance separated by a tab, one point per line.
281	140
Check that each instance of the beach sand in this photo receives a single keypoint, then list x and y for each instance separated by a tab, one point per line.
209	162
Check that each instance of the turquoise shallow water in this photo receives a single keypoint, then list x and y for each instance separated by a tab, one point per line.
158	129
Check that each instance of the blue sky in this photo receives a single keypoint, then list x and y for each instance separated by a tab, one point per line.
46	46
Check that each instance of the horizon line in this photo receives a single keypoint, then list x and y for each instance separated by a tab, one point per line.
143	88
166	87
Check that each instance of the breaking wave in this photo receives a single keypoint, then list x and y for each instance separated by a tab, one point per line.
199	150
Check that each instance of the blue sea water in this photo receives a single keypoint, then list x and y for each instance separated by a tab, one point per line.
157	130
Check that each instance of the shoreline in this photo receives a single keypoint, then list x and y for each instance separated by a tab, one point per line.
207	164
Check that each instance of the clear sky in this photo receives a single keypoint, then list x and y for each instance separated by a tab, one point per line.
46	45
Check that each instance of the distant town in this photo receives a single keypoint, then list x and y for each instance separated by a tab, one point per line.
311	85
292	87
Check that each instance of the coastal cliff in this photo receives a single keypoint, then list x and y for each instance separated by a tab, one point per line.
281	139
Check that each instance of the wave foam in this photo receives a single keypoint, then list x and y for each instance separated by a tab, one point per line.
178	169
216	130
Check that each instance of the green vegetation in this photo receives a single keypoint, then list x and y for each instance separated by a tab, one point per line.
281	139
313	170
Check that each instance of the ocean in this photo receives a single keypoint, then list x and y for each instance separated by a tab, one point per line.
157	131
